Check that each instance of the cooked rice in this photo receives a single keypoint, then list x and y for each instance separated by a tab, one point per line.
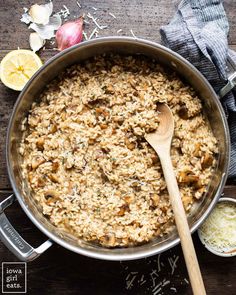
87	162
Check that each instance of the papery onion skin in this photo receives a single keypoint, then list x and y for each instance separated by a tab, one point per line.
69	34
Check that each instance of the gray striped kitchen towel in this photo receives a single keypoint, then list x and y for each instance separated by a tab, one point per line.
198	32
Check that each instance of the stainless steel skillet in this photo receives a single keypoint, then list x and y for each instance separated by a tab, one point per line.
22	194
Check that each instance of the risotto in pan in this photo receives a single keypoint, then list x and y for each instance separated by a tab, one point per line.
87	162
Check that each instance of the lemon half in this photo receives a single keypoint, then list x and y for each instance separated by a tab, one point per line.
17	67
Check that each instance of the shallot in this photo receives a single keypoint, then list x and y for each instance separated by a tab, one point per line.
69	34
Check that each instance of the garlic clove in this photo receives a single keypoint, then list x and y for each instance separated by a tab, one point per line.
25	18
49	6
69	34
40	13
47	31
44	32
36	42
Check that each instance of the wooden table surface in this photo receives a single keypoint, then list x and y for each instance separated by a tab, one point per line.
59	271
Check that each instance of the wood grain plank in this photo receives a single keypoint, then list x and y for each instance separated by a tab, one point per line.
143	17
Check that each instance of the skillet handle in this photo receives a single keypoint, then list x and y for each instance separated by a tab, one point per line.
231	73
14	242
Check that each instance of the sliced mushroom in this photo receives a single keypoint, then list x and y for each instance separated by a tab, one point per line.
91	141
136	224
30	177
33	121
155	200
154	159
40	182
113	131
124	208
119	119
105	148
109	240
63	116
207	160
188	177
54	178
129	199
198	184
40	144
109	89
164	209
53	128
102	111
103	126
130	145
69	162
197	150
136	186
187	200
135	93
51	196
55	166
99	111
36	162
103	175
183	112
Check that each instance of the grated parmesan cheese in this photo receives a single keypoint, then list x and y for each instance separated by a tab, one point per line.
152	280
132	33
85	36
64	12
95	22
94	32
111	14
219	229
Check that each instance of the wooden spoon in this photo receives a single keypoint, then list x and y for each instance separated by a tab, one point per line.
160	140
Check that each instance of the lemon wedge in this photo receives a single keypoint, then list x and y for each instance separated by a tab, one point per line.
17	67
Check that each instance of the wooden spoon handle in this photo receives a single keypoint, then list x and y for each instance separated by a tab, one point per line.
182	226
